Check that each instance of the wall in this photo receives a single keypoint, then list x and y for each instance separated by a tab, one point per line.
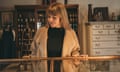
113	5
11	3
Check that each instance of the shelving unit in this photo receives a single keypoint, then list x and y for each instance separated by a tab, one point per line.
104	38
30	17
25	28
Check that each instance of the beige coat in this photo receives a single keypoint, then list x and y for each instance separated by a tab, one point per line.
39	49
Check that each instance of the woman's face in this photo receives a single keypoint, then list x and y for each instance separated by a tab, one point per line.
54	21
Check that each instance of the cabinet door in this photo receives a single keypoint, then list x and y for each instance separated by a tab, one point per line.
41	18
72	12
25	24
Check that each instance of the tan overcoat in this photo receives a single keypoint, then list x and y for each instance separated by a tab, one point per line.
39	49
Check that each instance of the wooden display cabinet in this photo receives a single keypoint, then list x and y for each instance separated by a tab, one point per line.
103	38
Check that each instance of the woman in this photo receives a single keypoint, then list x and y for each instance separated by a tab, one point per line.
56	39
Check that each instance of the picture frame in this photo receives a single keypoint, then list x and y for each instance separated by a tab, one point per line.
6	17
101	11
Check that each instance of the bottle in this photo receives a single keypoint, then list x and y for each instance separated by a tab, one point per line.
113	17
89	12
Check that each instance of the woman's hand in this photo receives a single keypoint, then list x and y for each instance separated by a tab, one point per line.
76	61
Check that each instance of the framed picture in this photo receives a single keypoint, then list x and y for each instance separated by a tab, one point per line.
100	14
6	17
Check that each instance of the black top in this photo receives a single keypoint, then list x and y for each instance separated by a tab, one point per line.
55	41
55	45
